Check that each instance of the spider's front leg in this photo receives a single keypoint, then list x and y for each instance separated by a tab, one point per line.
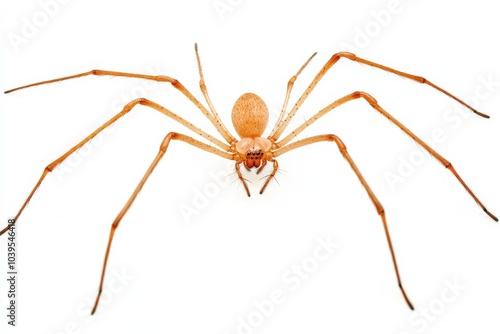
273	173
240	176
255	153
264	163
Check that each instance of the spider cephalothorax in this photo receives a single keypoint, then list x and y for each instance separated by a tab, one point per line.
250	117
253	150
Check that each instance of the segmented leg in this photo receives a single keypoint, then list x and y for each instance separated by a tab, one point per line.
124	111
204	91
159	78
287	95
343	150
240	176
273	173
275	134
373	103
161	152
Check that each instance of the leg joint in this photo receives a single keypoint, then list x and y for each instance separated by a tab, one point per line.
338	141
167	139
176	83
348	55
135	102
370	99
380	208
51	167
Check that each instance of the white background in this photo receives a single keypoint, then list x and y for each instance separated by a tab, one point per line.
204	274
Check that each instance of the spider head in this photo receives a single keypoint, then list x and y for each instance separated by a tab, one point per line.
253	157
252	150
250	116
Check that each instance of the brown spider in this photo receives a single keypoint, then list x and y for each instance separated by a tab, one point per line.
250	116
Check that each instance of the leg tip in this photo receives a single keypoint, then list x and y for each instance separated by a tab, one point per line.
480	113
492	216
410	305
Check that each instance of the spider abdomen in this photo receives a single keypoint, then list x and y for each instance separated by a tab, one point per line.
250	116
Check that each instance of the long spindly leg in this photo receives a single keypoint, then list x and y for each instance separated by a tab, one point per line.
159	78
373	103
270	176
124	111
289	87
342	148
240	176
161	152
204	91
336	57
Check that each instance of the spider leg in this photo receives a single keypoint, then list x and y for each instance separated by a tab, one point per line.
275	134
268	178
124	111
161	152
287	95
343	150
373	103
264	163
213	118
275	169
204	91
240	176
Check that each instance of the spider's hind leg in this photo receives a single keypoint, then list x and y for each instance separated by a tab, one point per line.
378	206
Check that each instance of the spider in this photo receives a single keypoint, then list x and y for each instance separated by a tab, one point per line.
252	151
